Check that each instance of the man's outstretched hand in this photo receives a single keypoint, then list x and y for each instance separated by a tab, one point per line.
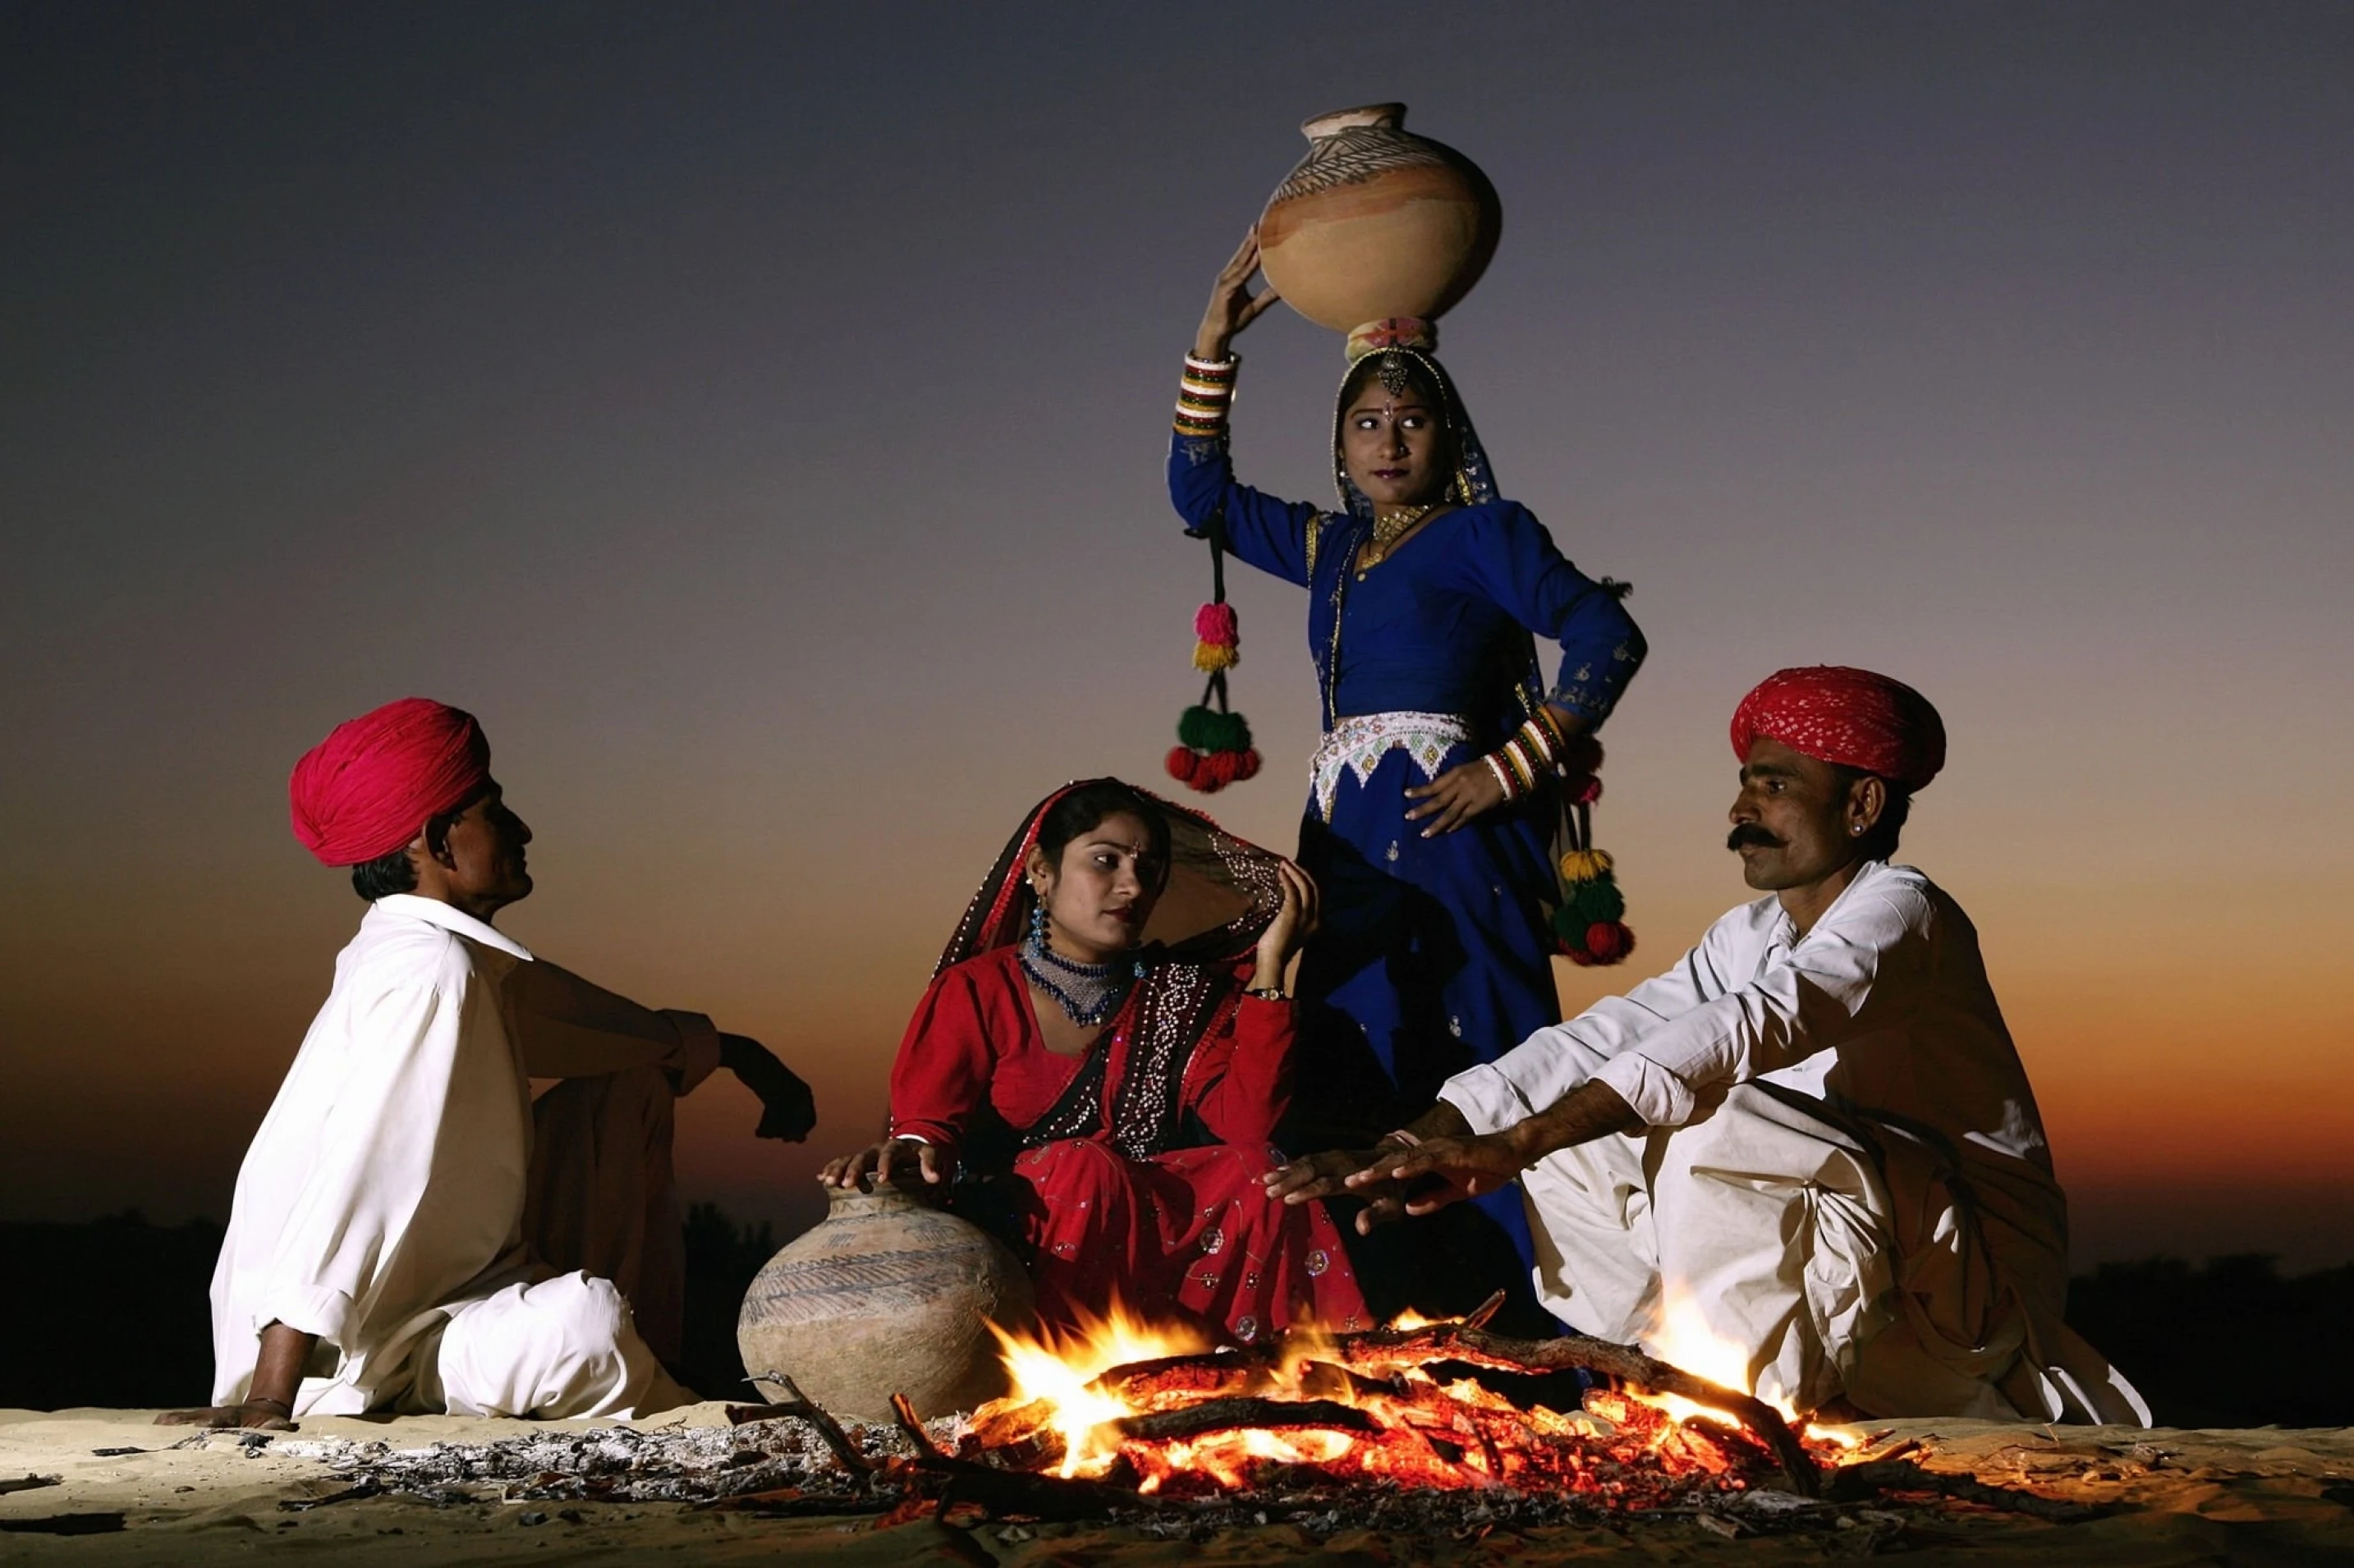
788	1109
1442	1170
1326	1175
1419	1169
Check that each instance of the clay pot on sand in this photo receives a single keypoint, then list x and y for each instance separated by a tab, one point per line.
1377	222
888	1295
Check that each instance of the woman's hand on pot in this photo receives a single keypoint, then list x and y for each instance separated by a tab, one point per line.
1232	306
1293	923
887	1160
1455	797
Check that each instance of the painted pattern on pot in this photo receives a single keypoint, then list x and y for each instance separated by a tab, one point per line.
1376	222
889	1295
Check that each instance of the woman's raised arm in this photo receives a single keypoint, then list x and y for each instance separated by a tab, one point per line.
1232	305
1272	534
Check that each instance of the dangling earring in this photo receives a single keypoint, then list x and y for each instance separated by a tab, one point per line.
1038	919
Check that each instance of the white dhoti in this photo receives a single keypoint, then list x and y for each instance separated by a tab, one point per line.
602	1204
602	1198
1845	1190
1777	1247
450	1244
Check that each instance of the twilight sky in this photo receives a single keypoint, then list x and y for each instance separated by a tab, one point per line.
755	414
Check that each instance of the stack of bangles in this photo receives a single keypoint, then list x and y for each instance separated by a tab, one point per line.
1532	754
1204	396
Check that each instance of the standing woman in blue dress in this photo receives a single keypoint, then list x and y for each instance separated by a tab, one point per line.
1435	794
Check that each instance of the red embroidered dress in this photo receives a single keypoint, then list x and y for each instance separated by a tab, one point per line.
1137	1174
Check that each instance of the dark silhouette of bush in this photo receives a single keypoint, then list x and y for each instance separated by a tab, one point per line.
115	1312
2231	1344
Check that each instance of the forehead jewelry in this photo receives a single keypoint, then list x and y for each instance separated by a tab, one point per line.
1393	371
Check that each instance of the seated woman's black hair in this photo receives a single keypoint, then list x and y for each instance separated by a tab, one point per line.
1087	806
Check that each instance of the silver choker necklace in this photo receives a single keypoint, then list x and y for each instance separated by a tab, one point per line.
1088	994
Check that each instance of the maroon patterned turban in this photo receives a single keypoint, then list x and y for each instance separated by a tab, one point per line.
370	785
1851	717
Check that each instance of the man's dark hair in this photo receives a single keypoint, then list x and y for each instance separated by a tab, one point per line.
390	874
1879	843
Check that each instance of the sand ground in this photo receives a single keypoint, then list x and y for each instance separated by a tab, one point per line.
2260	1496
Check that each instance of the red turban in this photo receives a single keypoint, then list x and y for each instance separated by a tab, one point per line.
1851	717
369	786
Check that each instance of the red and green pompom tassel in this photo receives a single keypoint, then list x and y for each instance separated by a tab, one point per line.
1590	924
1214	748
1217	639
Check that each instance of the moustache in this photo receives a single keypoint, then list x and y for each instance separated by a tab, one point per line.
1751	833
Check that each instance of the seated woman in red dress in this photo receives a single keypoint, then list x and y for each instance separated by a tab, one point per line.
1103	1052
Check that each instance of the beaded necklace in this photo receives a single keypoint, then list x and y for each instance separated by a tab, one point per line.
1088	994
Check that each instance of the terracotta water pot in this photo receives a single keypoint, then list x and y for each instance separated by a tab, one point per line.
889	1295
1377	222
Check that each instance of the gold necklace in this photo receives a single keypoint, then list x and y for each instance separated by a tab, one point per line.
1387	531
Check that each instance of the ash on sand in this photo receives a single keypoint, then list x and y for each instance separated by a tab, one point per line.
783	1468
611	1464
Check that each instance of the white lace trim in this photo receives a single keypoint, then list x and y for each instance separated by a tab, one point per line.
1358	745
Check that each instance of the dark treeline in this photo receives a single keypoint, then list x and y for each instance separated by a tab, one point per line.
113	1312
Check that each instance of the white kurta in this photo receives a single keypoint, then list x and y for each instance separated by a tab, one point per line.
381	1204
1845	1187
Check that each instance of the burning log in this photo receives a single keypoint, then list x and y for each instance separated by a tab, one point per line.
1236	1415
1372	1359
1395	1350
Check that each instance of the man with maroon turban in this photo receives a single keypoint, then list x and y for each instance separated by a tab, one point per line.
1805	1159
411	1230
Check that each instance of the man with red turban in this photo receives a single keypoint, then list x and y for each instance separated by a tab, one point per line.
411	1230
1805	1161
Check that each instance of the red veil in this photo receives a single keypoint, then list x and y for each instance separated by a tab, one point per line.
1220	895
1120	1191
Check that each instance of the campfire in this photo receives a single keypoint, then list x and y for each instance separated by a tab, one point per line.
1134	1416
1144	1408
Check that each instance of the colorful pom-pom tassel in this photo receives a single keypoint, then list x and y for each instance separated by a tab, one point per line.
1610	942
1212	657
1216	750
1216	623
1597	903
1586	865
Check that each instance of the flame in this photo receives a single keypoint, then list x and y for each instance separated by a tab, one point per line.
1681	1336
1072	1392
1058	1370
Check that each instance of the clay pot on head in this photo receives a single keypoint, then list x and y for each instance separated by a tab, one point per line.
890	1295
1377	222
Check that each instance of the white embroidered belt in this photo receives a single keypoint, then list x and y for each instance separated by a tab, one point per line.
1358	745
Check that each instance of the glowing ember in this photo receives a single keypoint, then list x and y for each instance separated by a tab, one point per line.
1151	1408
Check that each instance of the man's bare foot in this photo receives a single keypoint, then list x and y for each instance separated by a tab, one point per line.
262	1416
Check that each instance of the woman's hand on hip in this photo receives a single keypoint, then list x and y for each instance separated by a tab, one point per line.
1232	306
1455	797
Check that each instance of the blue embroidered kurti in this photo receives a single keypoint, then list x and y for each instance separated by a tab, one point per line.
1436	950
